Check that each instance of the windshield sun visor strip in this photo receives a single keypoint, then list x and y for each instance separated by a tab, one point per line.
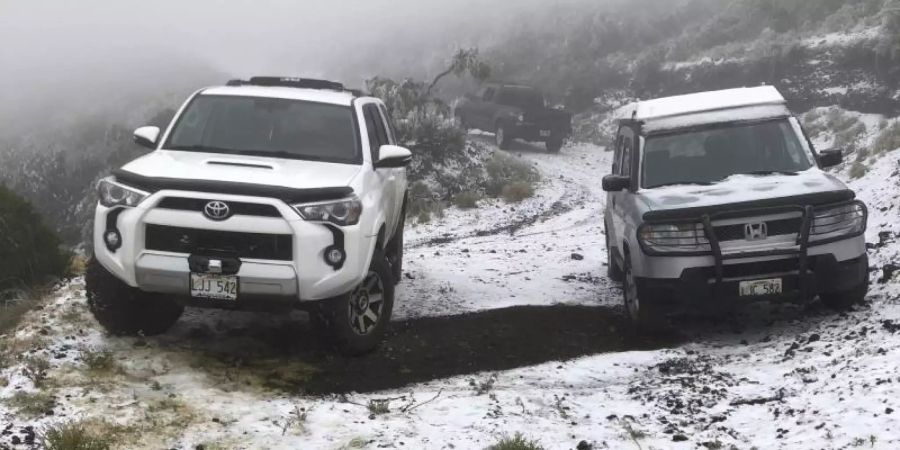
288	195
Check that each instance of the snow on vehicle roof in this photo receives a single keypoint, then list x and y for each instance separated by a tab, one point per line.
290	93
707	107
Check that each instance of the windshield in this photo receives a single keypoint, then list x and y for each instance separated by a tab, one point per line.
267	127
521	97
708	155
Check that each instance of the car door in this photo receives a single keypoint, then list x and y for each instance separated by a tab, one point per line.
384	178
619	200
398	181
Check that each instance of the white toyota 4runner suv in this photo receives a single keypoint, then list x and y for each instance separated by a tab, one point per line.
719	197
267	194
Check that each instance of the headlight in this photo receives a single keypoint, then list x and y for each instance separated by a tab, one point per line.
836	221
680	238
117	194
341	212
521	117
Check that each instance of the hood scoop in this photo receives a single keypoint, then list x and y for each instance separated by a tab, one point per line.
240	164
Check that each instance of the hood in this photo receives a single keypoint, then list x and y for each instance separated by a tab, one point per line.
275	172
812	186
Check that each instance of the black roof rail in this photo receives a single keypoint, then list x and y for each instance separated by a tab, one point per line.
305	83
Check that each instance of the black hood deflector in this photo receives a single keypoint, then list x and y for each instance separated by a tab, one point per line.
288	195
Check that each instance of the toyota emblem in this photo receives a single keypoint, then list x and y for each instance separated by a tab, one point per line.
217	210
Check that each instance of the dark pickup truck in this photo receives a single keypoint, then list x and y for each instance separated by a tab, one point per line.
514	111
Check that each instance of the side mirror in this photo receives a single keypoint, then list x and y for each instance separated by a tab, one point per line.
393	156
616	183
830	158
146	137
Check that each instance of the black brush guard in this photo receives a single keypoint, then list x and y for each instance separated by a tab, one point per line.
801	252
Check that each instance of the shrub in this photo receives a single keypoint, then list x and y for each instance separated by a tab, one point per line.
517	191
517	442
422	203
503	169
99	362
75	436
466	200
32	404
29	250
858	170
888	140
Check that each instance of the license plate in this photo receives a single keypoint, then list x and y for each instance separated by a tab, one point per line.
757	288
545	133
214	286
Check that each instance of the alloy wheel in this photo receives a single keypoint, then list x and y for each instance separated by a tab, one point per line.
366	304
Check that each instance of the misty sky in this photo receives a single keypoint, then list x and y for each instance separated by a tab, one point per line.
56	55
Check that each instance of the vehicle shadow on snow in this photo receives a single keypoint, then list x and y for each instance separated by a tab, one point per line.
285	354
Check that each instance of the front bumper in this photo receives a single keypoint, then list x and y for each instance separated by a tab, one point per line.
698	286
305	276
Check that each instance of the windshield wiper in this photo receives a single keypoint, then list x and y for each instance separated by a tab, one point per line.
203	148
683	183
768	172
278	154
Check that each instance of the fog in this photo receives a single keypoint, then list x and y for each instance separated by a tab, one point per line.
61	59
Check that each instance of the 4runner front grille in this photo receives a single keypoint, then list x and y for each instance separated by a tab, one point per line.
774	228
237	208
278	247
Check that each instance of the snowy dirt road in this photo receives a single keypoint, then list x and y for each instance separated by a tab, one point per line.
505	323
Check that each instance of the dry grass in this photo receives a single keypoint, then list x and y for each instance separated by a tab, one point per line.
858	170
517	191
888	140
78	436
32	404
517	442
466	200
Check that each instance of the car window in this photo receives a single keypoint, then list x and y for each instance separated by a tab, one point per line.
391	132
488	94
715	153
625	162
267	127
374	129
617	156
520	97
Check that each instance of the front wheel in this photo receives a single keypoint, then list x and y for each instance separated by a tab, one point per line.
357	320
124	310
841	301
642	312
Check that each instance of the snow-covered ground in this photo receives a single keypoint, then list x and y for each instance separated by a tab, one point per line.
773	376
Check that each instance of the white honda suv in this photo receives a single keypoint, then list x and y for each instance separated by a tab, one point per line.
267	194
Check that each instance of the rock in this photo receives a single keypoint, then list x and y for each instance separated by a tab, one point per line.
679	438
584	445
888	410
888	272
813	338
577	256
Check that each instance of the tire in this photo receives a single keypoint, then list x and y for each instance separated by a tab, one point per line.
502	137
554	145
643	312
126	311
842	301
613	271
395	249
352	332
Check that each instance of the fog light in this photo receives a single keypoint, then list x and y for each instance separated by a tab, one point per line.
334	256
113	240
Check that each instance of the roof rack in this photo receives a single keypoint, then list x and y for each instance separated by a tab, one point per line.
304	83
